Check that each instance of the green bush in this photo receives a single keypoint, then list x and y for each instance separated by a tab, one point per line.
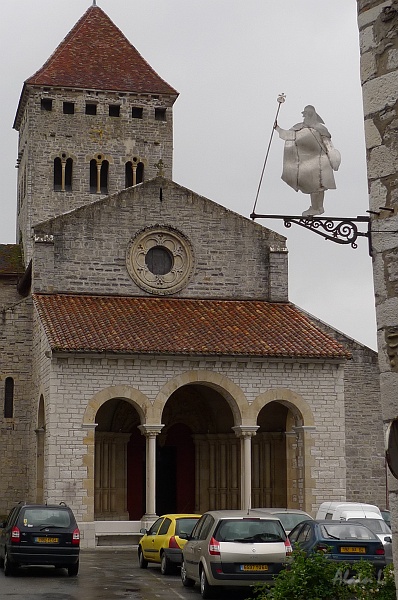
315	577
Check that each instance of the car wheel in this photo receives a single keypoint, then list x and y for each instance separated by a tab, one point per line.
206	590
73	569
9	567
186	581
141	560
166	567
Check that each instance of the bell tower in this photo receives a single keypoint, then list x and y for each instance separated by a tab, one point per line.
96	118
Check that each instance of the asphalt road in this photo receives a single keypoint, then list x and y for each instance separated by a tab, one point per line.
103	575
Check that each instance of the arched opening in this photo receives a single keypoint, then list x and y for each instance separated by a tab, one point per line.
134	173
274	458
57	174
119	464
99	174
9	398
68	174
199	448
40	440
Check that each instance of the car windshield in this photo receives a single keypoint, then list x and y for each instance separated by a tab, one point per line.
344	531
46	517
375	525
185	526
290	520
249	530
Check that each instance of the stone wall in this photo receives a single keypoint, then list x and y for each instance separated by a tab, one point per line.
230	254
378	31
45	135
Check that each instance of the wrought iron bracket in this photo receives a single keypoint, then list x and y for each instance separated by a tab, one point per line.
341	230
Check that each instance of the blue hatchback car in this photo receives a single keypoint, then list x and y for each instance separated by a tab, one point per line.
341	541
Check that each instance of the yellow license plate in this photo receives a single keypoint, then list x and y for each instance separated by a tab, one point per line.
353	550
47	540
254	568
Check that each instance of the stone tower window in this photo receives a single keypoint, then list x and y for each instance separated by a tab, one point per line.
160	114
134	172
137	112
91	108
63	167
114	110
99	172
46	104
9	398
69	108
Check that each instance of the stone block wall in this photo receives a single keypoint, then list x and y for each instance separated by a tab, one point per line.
85	252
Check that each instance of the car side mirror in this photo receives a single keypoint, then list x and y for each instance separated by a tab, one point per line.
143	530
184	536
388	539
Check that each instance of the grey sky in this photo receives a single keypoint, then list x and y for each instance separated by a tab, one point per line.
229	60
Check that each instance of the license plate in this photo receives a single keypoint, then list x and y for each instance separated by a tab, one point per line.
254	567
353	550
47	540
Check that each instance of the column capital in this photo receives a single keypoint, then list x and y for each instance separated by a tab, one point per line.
245	430
150	430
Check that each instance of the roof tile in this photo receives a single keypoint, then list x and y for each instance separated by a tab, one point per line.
77	323
96	55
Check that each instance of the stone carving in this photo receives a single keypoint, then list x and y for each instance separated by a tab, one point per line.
309	159
391	334
386	27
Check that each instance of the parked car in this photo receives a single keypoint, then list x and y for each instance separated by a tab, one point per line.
383	532
164	541
342	541
234	548
347	510
289	517
37	534
386	516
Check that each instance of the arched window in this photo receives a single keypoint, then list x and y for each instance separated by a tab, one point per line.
9	398
134	172
99	173
63	173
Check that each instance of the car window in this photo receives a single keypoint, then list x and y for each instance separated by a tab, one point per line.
293	535
164	527
185	526
50	517
290	520
305	534
345	531
201	529
261	530
154	528
11	516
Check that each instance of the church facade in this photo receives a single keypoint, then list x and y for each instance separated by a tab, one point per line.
151	361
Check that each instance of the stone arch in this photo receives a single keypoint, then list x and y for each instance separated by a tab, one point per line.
228	389
296	448
293	401
131	395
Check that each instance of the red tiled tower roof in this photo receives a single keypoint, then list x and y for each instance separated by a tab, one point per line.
77	323
96	55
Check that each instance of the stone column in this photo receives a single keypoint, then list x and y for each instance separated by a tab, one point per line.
246	432
150	432
378	27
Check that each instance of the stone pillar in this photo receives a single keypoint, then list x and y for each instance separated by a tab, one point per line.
378	26
150	432
246	432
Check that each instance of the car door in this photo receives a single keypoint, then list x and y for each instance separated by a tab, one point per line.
160	539
4	532
148	541
305	538
197	545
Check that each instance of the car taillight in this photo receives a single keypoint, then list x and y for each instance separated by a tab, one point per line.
380	552
76	537
322	548
173	542
288	547
15	534
214	547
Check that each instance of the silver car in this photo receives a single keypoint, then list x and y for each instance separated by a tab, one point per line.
234	548
289	517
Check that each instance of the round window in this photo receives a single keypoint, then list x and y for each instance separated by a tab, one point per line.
160	260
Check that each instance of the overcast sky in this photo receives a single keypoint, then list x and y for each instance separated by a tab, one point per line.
230	59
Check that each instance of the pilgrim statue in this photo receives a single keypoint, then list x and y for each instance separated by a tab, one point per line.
309	159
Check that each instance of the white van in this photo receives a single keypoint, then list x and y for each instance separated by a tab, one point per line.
342	511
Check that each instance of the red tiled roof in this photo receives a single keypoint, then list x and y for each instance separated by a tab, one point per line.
77	323
96	55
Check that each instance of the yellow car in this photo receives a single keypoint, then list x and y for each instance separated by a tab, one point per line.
163	542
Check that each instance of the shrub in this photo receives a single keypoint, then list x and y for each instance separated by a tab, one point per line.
315	577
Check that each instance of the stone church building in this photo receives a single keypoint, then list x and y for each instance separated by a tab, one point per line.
150	360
